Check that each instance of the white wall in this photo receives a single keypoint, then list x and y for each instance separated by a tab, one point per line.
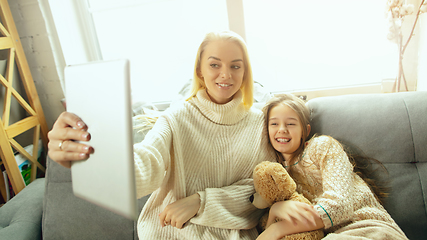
36	41
422	58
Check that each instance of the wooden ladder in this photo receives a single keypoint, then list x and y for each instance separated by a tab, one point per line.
35	120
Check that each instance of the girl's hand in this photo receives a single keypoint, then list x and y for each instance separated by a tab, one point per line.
63	149
294	212
178	213
296	217
275	231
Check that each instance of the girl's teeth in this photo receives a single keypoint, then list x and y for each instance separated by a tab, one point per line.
224	85
283	140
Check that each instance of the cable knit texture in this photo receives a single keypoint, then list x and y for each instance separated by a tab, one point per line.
206	148
325	177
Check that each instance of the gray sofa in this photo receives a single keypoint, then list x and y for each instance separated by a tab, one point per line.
389	127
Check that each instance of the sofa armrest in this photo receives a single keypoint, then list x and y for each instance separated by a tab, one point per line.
20	217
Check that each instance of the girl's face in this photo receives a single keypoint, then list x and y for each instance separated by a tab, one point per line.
222	70
284	130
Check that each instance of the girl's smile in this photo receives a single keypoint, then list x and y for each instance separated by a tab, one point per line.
283	140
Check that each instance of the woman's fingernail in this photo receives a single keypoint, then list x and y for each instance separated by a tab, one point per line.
82	155
80	124
85	135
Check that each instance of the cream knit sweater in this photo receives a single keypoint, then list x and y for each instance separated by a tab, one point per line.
206	148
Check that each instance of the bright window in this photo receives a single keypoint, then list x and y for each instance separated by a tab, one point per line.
293	45
313	44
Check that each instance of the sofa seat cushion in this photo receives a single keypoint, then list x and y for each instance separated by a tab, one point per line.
66	216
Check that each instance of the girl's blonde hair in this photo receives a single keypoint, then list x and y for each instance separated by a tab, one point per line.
247	84
298	105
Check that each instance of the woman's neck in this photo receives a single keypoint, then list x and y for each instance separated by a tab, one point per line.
228	114
214	101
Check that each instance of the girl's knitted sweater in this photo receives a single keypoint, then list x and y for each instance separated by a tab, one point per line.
206	148
324	175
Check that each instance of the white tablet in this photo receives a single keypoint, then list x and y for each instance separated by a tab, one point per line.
99	93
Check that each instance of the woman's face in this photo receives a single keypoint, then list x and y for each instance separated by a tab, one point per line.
222	70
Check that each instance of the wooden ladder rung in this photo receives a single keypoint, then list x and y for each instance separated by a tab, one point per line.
21	126
32	159
6	43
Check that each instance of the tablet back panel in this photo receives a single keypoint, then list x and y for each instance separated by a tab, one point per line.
99	93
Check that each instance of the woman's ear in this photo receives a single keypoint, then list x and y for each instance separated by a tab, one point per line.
308	129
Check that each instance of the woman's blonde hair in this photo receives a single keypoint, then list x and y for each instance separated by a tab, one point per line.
298	105
247	84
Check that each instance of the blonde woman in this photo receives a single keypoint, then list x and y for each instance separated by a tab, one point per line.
198	159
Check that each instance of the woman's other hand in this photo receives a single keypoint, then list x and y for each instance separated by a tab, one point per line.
63	149
178	213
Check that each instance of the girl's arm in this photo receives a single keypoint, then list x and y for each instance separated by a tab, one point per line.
296	213
296	217
335	204
283	228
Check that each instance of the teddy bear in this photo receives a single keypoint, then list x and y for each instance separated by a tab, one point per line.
273	184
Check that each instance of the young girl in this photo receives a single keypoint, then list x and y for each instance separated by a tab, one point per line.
343	203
